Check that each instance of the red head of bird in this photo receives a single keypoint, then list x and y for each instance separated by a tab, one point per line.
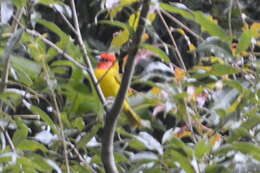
106	60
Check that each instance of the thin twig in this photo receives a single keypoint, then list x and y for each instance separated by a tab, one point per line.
8	138
239	6
85	55
29	91
28	116
104	75
113	115
67	22
10	141
51	44
5	71
59	50
58	115
182	25
89	68
81	159
179	57
229	17
18	16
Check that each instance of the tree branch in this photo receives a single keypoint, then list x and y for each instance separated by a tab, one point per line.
187	29
179	57
113	115
54	46
85	55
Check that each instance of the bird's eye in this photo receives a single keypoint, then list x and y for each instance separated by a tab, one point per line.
104	60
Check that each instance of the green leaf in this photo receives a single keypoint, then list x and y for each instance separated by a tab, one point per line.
222	69
49	2
117	24
180	146
216	46
10	98
78	168
123	132
27	66
120	158
200	18
14	168
127	2
19	3
223	101
134	19
181	11
243	147
78	123
157	51
217	169
235	84
41	163
29	145
65	120
244	41
86	102
51	26
237	134
87	137
201	149
5	158
120	39
21	133
54	28
184	162
247	148
27	163
135	144
252	121
44	117
153	170
209	26
62	63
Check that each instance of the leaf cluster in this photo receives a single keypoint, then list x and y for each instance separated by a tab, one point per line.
203	106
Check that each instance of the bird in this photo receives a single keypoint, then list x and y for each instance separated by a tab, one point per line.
107	74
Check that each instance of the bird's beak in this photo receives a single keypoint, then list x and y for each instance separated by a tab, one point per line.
98	58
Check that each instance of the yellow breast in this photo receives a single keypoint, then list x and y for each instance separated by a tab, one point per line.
108	81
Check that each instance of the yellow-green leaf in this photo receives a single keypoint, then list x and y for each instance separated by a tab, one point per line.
120	39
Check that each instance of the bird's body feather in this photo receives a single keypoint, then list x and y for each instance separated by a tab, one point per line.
109	80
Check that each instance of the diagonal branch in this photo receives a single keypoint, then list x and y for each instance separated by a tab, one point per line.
179	57
54	46
187	29
85	55
51	44
113	115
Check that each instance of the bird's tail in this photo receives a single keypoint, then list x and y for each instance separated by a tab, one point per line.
132	116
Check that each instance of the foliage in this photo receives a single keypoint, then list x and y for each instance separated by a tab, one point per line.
204	118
